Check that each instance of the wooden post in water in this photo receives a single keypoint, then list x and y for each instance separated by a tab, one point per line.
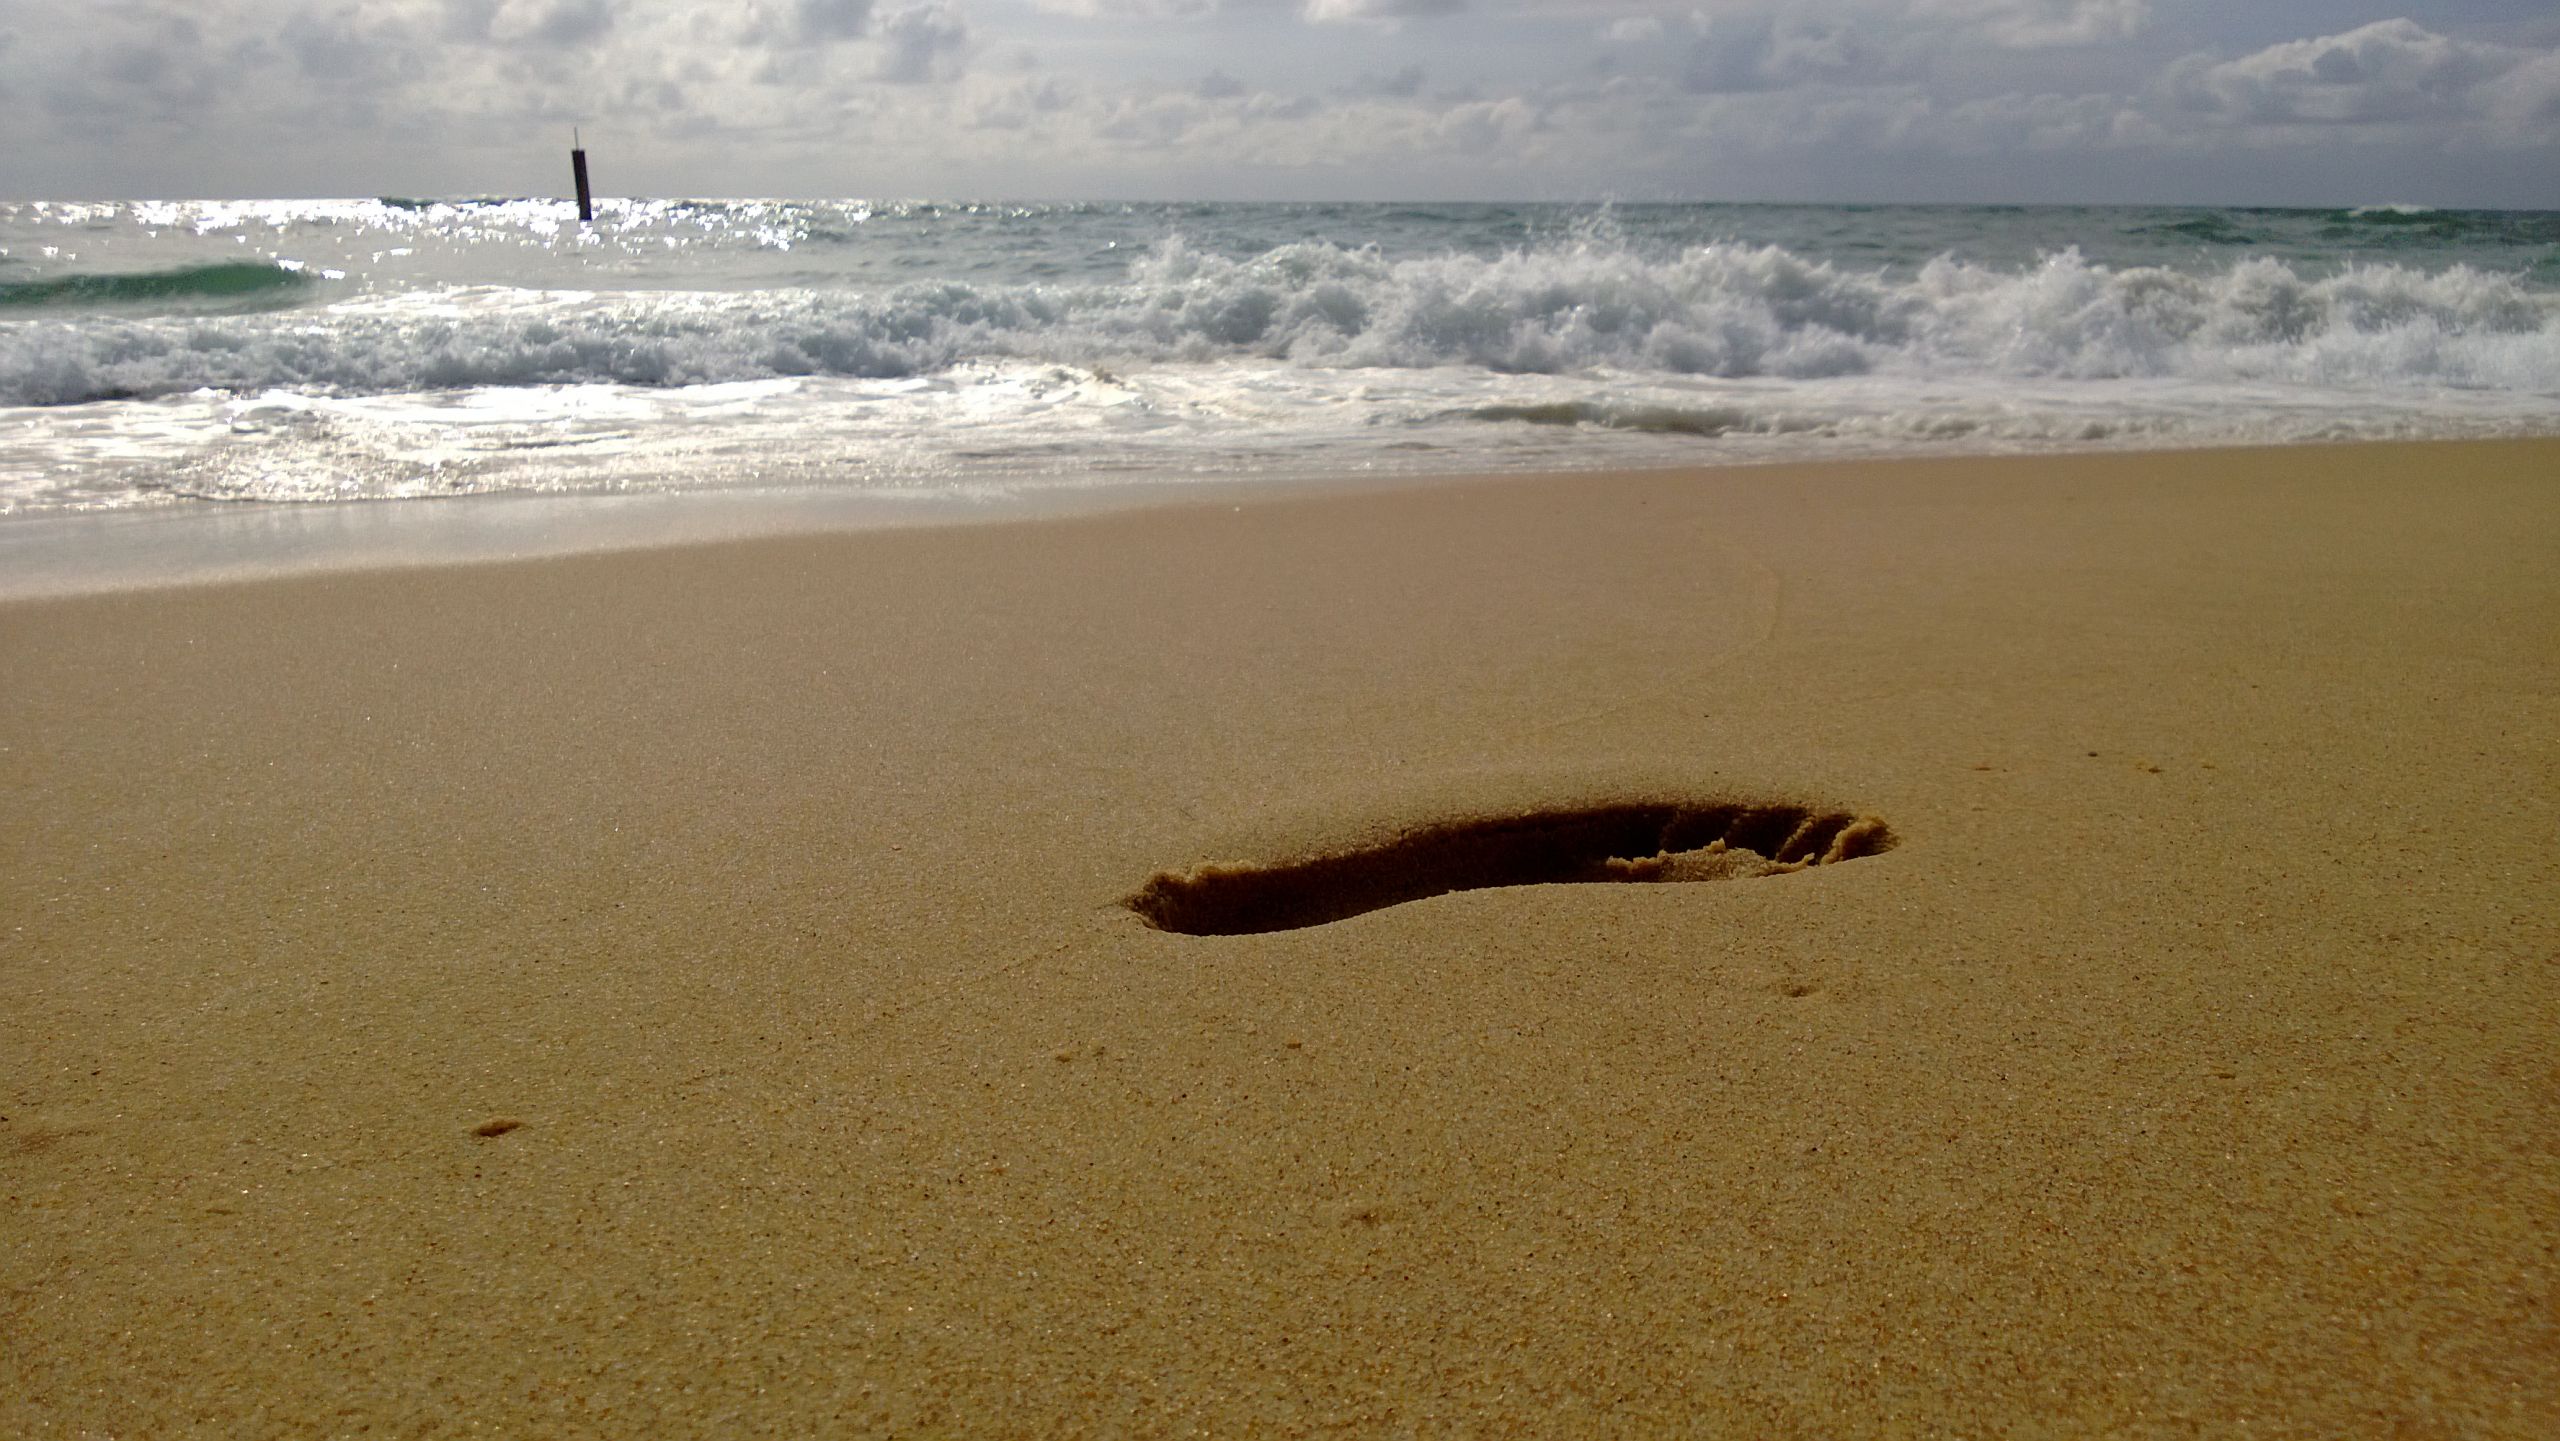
578	171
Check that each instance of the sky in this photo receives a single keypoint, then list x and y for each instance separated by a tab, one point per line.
2305	102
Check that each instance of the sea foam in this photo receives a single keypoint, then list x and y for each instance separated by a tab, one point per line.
278	351
1721	310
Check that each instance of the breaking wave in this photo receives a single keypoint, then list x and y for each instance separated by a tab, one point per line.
1729	311
227	282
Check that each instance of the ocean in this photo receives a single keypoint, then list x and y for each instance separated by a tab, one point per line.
291	364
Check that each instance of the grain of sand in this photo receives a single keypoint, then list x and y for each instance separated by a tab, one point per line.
688	992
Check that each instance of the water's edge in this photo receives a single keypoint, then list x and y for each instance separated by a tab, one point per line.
63	556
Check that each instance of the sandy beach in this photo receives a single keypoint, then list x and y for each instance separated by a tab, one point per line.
691	992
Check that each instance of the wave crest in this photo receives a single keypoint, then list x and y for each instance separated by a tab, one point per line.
230	282
1589	305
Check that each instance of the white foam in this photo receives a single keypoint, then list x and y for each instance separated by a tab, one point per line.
1307	354
1721	310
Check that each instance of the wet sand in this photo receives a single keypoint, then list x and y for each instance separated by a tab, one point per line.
690	991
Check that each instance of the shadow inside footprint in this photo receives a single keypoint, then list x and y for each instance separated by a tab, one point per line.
1665	842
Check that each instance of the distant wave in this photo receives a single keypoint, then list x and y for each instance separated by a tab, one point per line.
229	281
2407	226
1723	310
2217	229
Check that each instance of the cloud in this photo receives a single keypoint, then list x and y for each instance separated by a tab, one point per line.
2391	70
2526	100
2045	24
160	69
2038	124
1119	9
571	22
1015	104
539	22
470	19
1483	126
340	49
1837	98
826	20
1317	12
1324	12
1760	52
1265	106
1153	121
1402	85
922	42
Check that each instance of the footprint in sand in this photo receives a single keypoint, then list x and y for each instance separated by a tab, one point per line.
1664	842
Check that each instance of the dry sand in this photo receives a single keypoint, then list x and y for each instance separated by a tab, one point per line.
2191	1065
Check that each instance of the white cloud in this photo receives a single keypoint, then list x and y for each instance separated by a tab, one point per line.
1153	121
2391	70
2045	24
922	42
1499	97
1016	103
1106	9
824	20
1403	84
1319	12
1332	11
1484	126
512	22
2526	100
1763	52
570	22
2040	124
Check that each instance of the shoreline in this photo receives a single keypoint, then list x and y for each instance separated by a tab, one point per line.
693	988
58	556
